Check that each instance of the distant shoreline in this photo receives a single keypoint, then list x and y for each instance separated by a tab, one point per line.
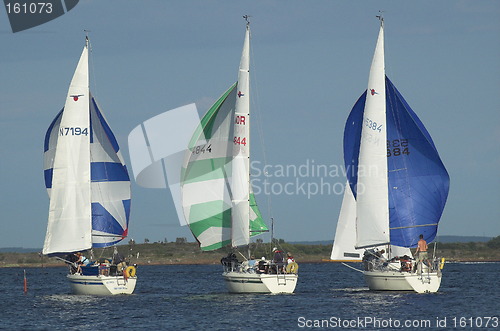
187	253
445	239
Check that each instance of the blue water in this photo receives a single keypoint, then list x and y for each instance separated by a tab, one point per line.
194	298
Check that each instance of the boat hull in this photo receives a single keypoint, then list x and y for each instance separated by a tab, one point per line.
101	285
403	281
243	282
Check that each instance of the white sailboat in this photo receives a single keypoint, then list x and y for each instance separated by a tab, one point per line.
397	187
217	197
89	189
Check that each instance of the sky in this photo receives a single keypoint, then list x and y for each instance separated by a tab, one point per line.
309	64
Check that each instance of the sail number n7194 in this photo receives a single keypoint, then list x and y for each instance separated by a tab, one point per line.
73	131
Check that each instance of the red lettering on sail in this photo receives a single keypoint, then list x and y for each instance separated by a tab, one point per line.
240	120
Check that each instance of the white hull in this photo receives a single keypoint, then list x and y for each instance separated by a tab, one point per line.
101	285
243	282
403	281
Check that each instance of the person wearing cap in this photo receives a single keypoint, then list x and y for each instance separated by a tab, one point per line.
262	266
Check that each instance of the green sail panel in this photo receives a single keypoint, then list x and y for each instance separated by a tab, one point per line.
206	127
257	224
205	187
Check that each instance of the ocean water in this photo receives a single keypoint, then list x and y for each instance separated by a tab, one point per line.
193	297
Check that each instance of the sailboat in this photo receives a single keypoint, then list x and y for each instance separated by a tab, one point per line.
89	190
396	189
217	197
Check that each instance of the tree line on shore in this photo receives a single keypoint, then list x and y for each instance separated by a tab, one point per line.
183	252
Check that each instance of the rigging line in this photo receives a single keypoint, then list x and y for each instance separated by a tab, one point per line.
111	235
259	120
412	226
92	63
358	270
242	255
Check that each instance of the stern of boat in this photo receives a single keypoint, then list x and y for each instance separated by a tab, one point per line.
280	283
101	285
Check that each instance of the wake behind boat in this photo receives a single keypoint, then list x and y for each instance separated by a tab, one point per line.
396	191
217	197
89	189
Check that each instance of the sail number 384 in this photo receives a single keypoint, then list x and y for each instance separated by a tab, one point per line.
397	147
373	125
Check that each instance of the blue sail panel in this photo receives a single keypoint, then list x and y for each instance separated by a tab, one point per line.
49	149
110	184
48	135
105	127
108	172
418	180
48	173
109	229
352	140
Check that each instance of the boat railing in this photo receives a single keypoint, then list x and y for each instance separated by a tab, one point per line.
269	267
402	265
229	266
432	265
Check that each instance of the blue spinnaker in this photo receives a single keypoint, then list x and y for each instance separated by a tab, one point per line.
418	181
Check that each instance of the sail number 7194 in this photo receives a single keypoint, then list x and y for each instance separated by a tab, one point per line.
73	131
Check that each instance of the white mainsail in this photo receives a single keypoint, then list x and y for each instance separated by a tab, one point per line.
70	205
372	206
241	157
85	174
